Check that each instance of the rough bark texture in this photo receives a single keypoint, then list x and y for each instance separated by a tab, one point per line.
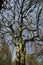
20	54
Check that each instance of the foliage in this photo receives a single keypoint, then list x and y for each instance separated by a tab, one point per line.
30	60
5	54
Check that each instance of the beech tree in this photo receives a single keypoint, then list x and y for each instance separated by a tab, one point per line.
19	23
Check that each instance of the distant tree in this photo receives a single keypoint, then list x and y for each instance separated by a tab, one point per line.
5	54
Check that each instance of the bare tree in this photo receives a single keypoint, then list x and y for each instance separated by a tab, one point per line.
20	23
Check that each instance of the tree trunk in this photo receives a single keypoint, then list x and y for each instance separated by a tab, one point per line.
20	54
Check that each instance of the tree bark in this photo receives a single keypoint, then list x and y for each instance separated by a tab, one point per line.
20	54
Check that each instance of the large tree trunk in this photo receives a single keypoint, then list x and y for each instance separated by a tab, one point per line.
20	54
17	54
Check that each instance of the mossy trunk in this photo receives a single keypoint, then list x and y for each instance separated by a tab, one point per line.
20	54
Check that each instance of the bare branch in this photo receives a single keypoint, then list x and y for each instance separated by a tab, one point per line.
29	11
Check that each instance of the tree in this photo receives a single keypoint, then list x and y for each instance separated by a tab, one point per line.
20	23
5	54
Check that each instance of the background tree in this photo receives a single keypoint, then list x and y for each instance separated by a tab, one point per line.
5	53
